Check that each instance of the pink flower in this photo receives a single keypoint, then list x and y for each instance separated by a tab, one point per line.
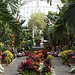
0	56
73	57
35	55
70	53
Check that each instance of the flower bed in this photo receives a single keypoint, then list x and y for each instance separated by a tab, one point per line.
54	54
37	64
65	55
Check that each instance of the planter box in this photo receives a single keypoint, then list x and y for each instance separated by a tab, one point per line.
70	61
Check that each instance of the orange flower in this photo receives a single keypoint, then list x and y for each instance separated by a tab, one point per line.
37	63
57	46
39	51
33	63
35	67
46	45
12	45
39	59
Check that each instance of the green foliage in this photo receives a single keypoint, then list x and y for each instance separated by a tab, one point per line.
63	56
37	20
7	21
50	57
9	56
66	1
48	73
37	38
28	73
72	69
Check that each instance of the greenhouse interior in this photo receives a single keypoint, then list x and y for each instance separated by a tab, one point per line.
37	37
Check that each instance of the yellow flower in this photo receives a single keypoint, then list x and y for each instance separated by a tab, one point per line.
1	44
9	55
39	59
35	67
33	63
23	42
35	51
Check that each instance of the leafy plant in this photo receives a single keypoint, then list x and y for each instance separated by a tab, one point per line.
64	56
37	21
37	38
72	69
26	72
50	57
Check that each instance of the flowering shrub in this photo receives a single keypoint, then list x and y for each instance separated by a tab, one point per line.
10	56
70	54
73	57
54	54
38	64
64	56
4	54
50	57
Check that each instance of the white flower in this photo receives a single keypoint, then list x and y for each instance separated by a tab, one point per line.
41	66
1	69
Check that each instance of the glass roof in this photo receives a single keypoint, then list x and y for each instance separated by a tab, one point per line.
35	5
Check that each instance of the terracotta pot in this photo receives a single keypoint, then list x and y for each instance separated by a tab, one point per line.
5	57
0	53
0	61
37	42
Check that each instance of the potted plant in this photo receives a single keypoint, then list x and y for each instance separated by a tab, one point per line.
37	23
4	55
37	40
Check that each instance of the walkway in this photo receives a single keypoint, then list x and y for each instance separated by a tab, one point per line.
60	69
11	69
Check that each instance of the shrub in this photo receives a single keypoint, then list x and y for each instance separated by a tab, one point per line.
10	56
63	55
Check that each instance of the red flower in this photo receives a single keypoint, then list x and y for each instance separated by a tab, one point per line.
28	62
22	64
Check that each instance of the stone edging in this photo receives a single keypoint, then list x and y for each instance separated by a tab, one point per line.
53	71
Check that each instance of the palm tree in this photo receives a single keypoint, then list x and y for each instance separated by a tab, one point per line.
66	22
7	19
